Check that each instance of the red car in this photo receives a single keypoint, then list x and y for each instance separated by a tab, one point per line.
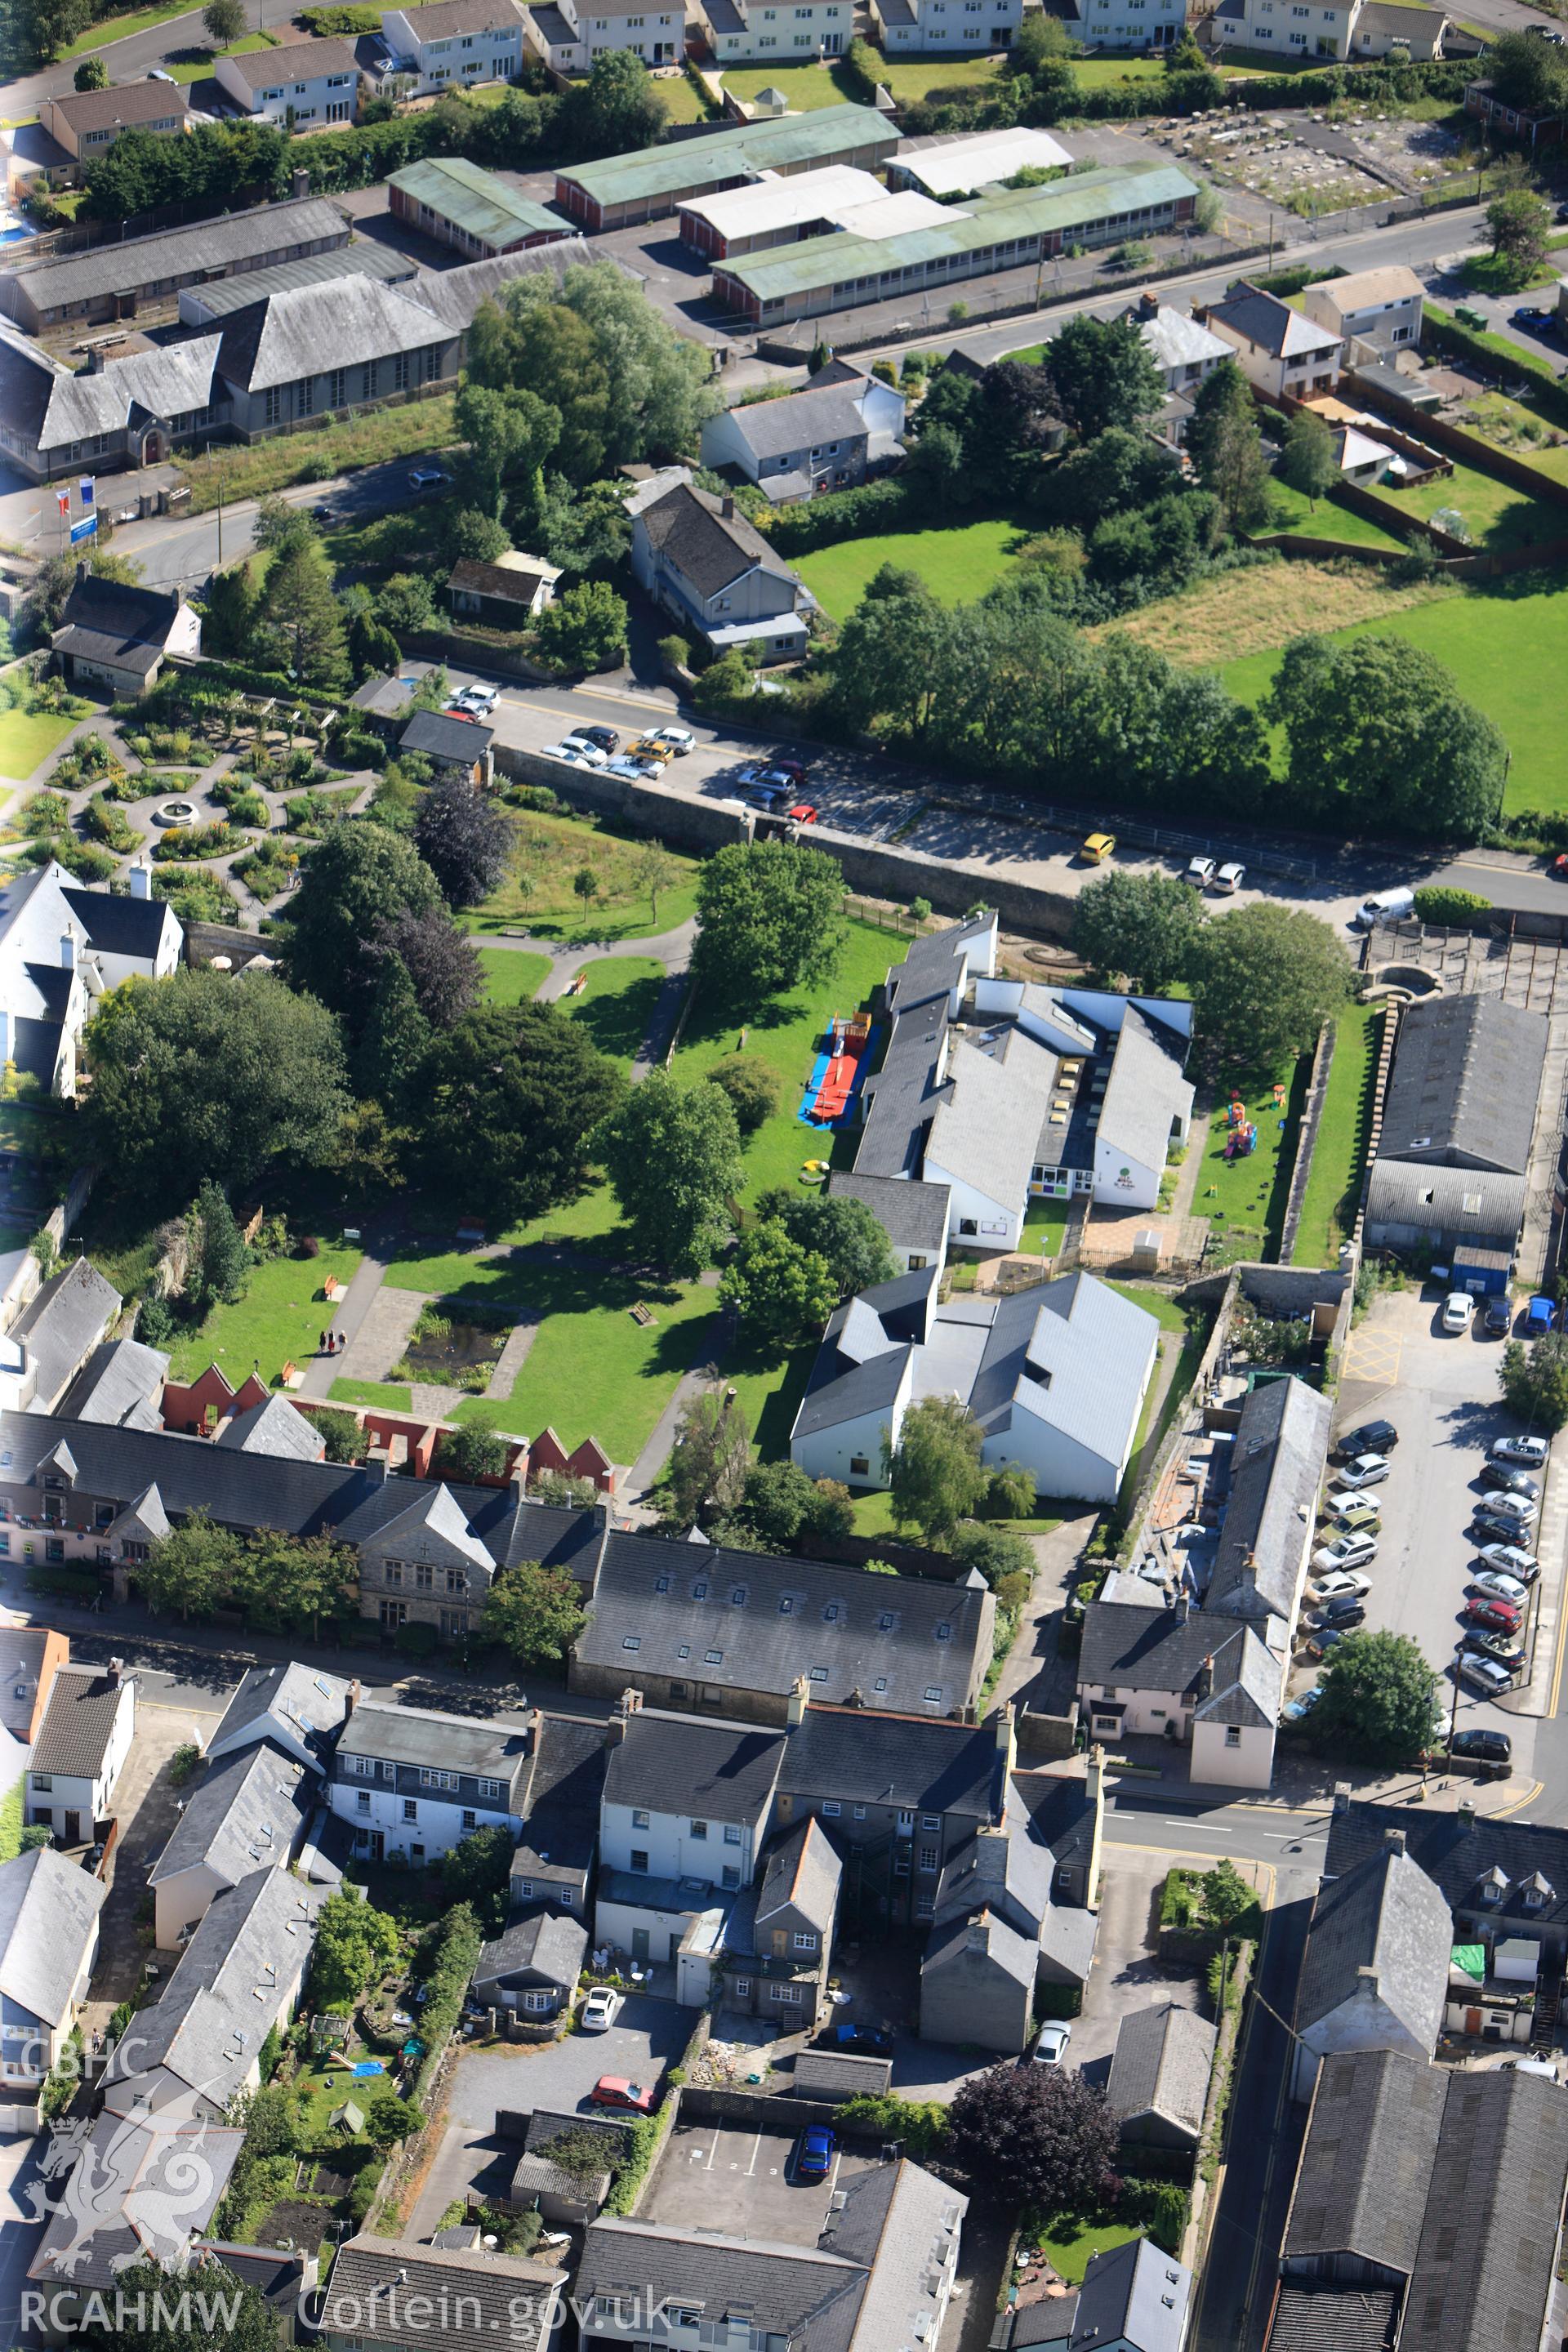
1496	1616
803	815
615	2090
1558	869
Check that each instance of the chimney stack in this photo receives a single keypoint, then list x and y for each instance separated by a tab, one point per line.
796	1715
1394	1839
978	1934
1366	1982
67	950
355	1694
1184	1607
1149	305
1468	1812
82	573
1342	1796
114	1672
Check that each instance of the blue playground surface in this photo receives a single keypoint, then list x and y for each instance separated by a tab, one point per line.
814	1088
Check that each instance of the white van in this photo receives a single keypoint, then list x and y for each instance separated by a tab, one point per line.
1384	907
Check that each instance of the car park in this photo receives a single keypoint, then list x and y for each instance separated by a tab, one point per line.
1458	1311
607	739
1507	1648
481	699
1346	1612
622	764
1356	1512
1346	1551
1512	1559
1366	1470
681	740
1371	1438
571	755
1532	1452
763	775
601	2008
1509	1512
813	2153
1484	1673
1499	1587
1496	1321
1097	848
1492	1616
1485	1746
653	747
1200	872
1499	1478
1051	2043
1326	1638
584	738
616	2091
1342	1584
1229	878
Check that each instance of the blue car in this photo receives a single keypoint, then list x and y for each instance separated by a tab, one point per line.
1539	1316
814	2156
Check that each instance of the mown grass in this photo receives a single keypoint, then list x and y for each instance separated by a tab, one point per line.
26	739
1292	510
615	1003
1496	515
958	564
196	65
1244	1199
512	976
393	1394
279	1319
1069	2244
336	446
1338	1155
119	28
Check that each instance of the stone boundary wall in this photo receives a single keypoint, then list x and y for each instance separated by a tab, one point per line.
1306	1139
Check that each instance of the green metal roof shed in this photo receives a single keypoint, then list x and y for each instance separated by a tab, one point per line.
651	181
487	215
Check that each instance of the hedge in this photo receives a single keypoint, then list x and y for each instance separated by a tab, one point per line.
843	514
454	1951
1437	903
1446	333
921	2124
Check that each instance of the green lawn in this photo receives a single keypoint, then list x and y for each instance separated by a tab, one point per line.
538	895
1245	1198
593	1370
807	87
1044	1227
117	29
1495	514
874	1516
1152	1423
769	1388
787	1035
512	975
616	1002
1507	645
1069	2243
1292	510
390	1394
26	739
681	100
1516	426
11	1809
196	65
281	1316
1333	1187
958	564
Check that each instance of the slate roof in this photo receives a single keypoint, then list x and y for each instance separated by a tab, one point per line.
22	1649
809	2298
442	738
275	1427
52	406
126	106
518	587
1457	1853
1075	1353
912	1215
1466	1073
299	333
985	1130
1484	2269
312	1704
801	1873
670	1765
899	2220
776	429
1161	2067
209	245
1387	1916
1281	1445
543	1948
454	295
1135	2292
1365	2167
424	1737
1135	1648
1269	323
440	19
379	2282
798	1615
535	2176
230	1812
114	926
295	61
48	1909
79	1723
1333	2315
710	549
1146	1093
561	1798
117	609
866	1350
1017	1955
1048	2320
1004	1869
156	2188
1175	338
866	1756
903	1097
120	1382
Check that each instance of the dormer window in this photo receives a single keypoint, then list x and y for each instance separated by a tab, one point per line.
1536	1892
699	1592
1494	1885
738	1598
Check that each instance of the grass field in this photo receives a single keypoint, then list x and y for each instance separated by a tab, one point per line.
235	474
1069	2243
196	65
390	1394
874	1516
1043	1226
1333	1187
957	564
118	28
616	1002
1496	515
26	739
1293	511
537	895
807	87
592	1371
1256	613
1244	1199
786	1034
512	974
280	1318
1506	643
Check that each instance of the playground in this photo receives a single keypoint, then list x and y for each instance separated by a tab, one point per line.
838	1071
1247	1161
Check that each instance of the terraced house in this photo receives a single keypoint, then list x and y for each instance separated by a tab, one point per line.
452	44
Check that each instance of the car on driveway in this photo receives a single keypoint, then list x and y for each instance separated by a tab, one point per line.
1492	1581
1539	1316
1484	1673
1510	1513
1492	1616
1341	1584
1497	1320
813	2153
1485	1746
1371	1438
601	2008
1051	2045
1346	1551
1512	1560
1458	1311
1531	1452
1535	321
1366	1470
615	2090
865	2036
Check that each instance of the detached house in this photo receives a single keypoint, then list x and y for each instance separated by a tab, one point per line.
301	86
80	1750
87	123
116	638
825	439
1279	350
697	557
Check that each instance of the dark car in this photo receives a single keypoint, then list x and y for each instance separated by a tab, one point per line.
1539	321
1495	1616
1371	1438
1504	1647
1345	1614
813	2153
1492	1526
606	737
1497	1320
878	2038
1485	1746
1497	1478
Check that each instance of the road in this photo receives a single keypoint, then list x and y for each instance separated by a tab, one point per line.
134	57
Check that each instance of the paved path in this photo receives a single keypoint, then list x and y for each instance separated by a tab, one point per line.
383	1324
347	1317
712	1344
511	1359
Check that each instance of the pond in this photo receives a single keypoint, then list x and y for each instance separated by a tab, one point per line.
445	1350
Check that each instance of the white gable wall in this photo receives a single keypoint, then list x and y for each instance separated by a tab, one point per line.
834	1453
973	1216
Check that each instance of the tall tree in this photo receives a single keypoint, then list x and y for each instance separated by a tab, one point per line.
1104	374
654	871
673	1159
616	108
353	1944
777	1288
585	628
219	1260
1309	462
1142	928
395	1037
769	917
207	2309
509	434
91	74
293	1581
1535	1381
1040	2136
1265	979
844	1231
360	877
934	1469
440	959
463	839
299	603
535	1613
223	21
230	610
1224	445
192	1570
1379	1702
509	1099
709	1461
1519	224
1378	732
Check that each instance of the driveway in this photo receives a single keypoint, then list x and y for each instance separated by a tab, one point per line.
1441	1394
743	2184
1128	1972
146	1805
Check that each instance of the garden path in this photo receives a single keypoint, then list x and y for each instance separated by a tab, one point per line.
375	1322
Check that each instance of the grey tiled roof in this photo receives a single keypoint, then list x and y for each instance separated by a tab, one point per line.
423	1735
809	2299
379	2282
276	1427
1269	323
48	1908
122	1381
710	549
670	1764
561	1801
1467	1073
123	106
1476	1206
1145	1091
902	2222
210	244
79	1723
286	336
1386	1915
1017	1955
1076	1351
65	1322
868	1756
438	20
21	1664
541	1949
1164	2059
912	1215
296	62
1484	2272
774	428
312	1703
901	1098
1281	1444
1372	2138
1333	2314
985	1131
801	1873
1007	1869
1137	2293
840	2074
454	295
442	738
1457	1854
230	1811
155	2189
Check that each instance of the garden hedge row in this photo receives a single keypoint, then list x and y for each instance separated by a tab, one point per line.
1446	333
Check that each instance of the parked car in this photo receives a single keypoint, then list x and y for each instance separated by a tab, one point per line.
1531	316
1514	1561
592	740
1493	1582
784	765
1341	1584
572	755
1494	1616
481	699
615	2090
1366	1470
1458	1311
324	511
622	764
1296	1710
769	776
1051	2044
1229	878
1509	1512
1097	848
427	477
1484	1673
1507	1648
1497	1320
1200	872
813	2153
1345	1613
1326	1638
1532	1452
601	2008
1357	1514
654	748
681	740
1486	1747
865	2036
1497	1478
1346	1551
1371	1438
1539	1316
803	813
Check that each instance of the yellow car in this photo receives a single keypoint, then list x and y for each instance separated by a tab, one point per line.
1097	848
653	747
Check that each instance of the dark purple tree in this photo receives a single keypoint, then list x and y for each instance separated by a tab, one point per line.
1038	2137
463	839
442	961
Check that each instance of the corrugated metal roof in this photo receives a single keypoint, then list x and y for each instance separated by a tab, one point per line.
363	259
1022	212
770	202
792	138
474	200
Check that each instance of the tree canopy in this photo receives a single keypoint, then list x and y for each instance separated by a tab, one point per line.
463	839
1380	739
768	919
1104	374
673	1157
777	1288
535	1613
1265	980
1040	2136
510	1098
1224	445
1535	1381
353	1944
709	1464
935	1468
360	876
844	1231
1143	927
1379	1702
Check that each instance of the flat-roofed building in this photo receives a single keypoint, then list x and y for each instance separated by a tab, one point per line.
87	123
653	182
455	201
774	211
